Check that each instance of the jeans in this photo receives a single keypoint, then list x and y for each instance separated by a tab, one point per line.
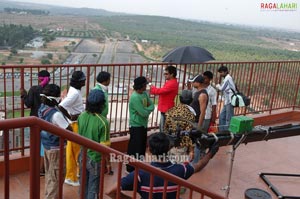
92	178
162	122
225	116
199	152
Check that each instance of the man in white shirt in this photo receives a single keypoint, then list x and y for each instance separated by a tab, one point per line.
211	113
71	106
227	86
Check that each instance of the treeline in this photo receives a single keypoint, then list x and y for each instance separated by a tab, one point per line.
15	36
26	11
225	42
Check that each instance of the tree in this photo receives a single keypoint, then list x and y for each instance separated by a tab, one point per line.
45	61
14	51
21	60
50	56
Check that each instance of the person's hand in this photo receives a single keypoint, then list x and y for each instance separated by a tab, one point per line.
191	156
213	149
148	79
23	92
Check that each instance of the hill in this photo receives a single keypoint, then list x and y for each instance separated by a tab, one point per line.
56	10
155	35
226	42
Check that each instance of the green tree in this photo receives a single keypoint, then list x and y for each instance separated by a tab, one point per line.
45	61
50	56
14	51
21	60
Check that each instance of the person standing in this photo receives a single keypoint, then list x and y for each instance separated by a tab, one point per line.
226	87
32	100
140	107
200	100
47	111
210	113
71	106
211	109
103	81
167	93
93	125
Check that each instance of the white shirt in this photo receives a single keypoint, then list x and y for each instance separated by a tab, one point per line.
59	120
73	103
225	88
212	101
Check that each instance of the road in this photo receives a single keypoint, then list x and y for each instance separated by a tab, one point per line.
88	51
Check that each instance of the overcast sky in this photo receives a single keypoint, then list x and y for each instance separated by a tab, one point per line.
247	12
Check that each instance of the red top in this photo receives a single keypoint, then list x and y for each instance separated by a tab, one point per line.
166	94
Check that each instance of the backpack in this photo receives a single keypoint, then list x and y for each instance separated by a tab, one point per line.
238	99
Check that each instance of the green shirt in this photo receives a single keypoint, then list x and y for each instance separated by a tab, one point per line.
140	107
94	127
105	108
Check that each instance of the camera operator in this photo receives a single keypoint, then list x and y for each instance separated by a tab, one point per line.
159	145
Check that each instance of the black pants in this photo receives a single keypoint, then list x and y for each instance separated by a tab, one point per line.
137	144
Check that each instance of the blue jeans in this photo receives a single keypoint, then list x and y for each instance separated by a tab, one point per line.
225	116
162	122
92	178
199	153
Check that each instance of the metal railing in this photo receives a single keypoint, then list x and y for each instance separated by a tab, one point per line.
36	125
271	86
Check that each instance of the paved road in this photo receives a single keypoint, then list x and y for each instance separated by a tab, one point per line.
90	52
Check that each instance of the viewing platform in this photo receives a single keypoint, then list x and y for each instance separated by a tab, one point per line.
272	86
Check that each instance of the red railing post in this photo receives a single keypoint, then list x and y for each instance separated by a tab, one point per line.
6	163
275	87
249	86
34	161
297	91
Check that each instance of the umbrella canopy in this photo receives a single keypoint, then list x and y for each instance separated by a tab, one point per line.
187	55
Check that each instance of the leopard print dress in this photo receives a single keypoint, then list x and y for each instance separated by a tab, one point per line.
172	124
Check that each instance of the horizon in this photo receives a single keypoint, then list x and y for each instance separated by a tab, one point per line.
256	13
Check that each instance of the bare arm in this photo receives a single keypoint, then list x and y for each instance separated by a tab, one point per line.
213	149
198	166
203	104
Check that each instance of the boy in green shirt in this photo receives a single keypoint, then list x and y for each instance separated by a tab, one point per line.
93	125
140	107
103	81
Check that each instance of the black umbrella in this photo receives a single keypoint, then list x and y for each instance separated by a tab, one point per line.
187	55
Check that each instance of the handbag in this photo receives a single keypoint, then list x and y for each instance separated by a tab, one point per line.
238	99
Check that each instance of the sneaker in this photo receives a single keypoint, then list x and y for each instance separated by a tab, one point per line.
72	183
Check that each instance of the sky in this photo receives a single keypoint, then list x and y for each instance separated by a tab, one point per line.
243	12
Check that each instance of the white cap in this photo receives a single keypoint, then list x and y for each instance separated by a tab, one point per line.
192	79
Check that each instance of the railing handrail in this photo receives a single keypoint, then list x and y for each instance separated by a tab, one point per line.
40	124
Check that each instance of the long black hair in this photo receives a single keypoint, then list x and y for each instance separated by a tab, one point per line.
49	92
